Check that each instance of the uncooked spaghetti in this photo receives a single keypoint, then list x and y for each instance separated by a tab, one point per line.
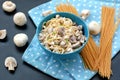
66	7
90	54
107	32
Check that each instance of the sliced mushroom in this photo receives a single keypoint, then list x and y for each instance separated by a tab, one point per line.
51	48
61	31
52	43
72	39
44	27
41	37
74	24
10	63
57	41
50	30
62	43
76	45
80	27
82	39
79	37
66	37
81	32
61	20
57	16
3	33
68	23
69	50
77	33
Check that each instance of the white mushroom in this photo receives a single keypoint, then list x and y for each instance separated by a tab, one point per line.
9	6
85	13
76	45
62	43
94	28
50	30
72	39
10	63
45	13
57	16
3	33
82	39
69	50
20	39
66	37
52	43
20	19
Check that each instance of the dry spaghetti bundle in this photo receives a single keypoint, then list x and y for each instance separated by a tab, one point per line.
90	54
103	63
66	7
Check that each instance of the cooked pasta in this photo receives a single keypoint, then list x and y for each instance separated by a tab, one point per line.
61	35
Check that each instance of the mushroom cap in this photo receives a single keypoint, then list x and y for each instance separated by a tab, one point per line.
20	19
94	28
3	33
8	6
20	39
11	63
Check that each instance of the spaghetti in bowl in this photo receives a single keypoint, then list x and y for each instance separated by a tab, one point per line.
62	33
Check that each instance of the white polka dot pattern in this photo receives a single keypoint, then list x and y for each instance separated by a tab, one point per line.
70	67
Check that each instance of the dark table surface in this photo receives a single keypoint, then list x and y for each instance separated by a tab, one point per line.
7	47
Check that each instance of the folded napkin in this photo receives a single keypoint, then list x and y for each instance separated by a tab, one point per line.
68	67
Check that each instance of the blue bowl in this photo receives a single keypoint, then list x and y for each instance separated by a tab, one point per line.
74	18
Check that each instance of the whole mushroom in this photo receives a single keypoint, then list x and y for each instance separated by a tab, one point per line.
8	6
20	19
94	28
84	14
10	63
20	39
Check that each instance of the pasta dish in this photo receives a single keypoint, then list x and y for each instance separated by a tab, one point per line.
61	35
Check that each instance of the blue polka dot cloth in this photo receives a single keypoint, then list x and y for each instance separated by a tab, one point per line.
69	67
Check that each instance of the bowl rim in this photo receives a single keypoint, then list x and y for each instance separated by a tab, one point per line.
53	14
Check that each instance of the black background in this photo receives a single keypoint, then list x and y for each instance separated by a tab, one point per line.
7	47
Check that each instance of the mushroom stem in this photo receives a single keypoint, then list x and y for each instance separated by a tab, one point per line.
11	67
0	33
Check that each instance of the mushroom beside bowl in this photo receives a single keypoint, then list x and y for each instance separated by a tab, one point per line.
75	19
